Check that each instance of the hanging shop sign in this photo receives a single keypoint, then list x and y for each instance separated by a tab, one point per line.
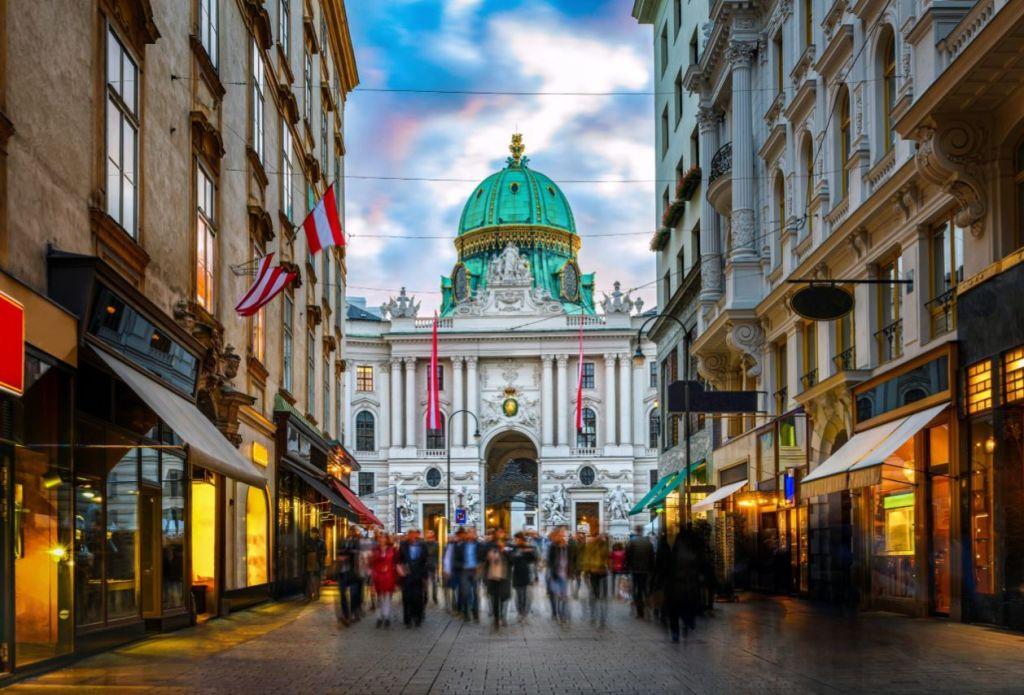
12	345
822	302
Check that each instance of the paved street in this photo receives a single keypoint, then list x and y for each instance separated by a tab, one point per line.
758	645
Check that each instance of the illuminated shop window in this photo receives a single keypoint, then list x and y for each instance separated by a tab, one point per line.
256	537
1013	375
979	387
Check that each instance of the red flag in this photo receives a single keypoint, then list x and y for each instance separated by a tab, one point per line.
322	224
579	384
433	392
269	283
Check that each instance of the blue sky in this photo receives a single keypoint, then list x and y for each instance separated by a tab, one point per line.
495	45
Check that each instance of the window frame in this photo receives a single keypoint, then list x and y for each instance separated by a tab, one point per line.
366	434
587	437
310	371
284	32
364	378
436	439
287	172
588	377
888	90
209	30
128	115
845	141
325	384
258	114
205	238
654	428
288	342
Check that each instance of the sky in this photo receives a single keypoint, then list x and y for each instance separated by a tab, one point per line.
495	46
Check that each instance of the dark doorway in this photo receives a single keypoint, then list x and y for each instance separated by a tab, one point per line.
588	517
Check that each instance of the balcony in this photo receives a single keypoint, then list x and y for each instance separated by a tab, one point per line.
586	451
846	360
890	341
810	379
720	180
943	311
431	453
781	400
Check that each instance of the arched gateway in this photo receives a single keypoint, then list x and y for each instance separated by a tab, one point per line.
511	315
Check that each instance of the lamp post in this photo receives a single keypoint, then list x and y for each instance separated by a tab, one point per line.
639	360
448	457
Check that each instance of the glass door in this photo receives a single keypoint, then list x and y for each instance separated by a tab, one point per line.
149	551
939	536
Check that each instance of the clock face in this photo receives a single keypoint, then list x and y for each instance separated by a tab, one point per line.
460	283
570	281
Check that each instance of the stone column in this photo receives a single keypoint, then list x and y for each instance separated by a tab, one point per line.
639	387
397	436
547	400
710	242
625	399
562	412
744	248
458	422
610	397
384	426
472	386
410	401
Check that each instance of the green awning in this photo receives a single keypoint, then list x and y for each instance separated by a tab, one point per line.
657	493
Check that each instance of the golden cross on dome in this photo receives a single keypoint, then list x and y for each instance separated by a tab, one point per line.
517	147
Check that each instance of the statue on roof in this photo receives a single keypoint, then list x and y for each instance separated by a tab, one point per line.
401	307
517	148
619	302
509	268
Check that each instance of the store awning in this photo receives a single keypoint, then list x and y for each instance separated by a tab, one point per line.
654	495
206	445
316	482
858	462
366	516
722	493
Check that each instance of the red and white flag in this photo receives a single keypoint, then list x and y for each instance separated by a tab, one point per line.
579	384
269	283
322	224
433	392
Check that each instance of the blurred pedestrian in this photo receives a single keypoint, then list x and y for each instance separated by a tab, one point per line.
430	544
576	545
595	563
465	565
385	577
682	594
412	568
346	559
640	563
559	562
524	563
315	554
498	576
618	563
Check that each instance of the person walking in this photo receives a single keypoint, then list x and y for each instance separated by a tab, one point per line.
595	562
344	570
315	553
385	577
412	568
559	563
498	576
576	545
682	590
618	563
465	563
430	545
640	564
524	561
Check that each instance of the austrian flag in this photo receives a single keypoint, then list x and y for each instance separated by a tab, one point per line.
322	224
269	283
433	391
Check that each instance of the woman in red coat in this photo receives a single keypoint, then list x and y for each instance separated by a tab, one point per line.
385	577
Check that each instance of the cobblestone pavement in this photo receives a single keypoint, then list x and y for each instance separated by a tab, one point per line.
757	645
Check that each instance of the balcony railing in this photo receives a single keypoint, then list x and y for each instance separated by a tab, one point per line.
943	311
431	453
721	163
846	360
810	379
890	341
585	451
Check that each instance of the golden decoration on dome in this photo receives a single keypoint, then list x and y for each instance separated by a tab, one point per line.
517	147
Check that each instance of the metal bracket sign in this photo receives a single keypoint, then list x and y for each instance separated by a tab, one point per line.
12	345
690	397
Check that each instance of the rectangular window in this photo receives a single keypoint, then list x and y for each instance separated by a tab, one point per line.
664	47
440	377
310	373
810	355
259	335
365	483
586	438
653	368
654	429
681	264
122	135
287	172
808	11
339	421
778	57
588	375
845	358
208	28
677	13
666	286
979	387
664	131
890	308
287	343
307	87
206	239
284	20
929	379
947	271
679	96
326	379
652	478
695	146
323	144
364	377
669	374
258	84
781	378
665	201
1013	375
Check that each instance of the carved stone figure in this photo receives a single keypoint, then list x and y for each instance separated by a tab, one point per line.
401	307
555	506
509	268
510	290
619	302
617	503
470	501
406	509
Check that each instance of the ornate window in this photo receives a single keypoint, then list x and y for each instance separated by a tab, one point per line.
587	437
888	60
364	377
258	84
434	477
206	239
122	135
436	438
208	16
587	475
653	428
365	435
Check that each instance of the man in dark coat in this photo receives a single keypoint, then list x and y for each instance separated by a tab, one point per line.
682	584
640	563
412	563
467	556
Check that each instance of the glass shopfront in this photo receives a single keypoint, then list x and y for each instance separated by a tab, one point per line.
255	537
892	509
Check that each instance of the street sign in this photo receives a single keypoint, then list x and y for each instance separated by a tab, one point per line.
822	302
690	397
12	345
460	515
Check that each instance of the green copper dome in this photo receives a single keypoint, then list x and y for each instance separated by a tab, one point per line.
517	196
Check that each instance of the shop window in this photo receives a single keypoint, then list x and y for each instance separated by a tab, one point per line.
255	537
587	437
979	387
1013	375
122	586
90	544
172	524
122	135
204	531
983	447
939	526
893	564
364	377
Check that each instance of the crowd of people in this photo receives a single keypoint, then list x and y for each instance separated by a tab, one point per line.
670	582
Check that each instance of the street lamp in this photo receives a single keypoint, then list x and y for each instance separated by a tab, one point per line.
639	359
448	456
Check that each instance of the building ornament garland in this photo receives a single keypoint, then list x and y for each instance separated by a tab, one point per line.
950	156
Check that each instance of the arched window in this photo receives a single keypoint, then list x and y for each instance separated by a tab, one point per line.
888	65
653	428
365	431
843	116
587	438
436	438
